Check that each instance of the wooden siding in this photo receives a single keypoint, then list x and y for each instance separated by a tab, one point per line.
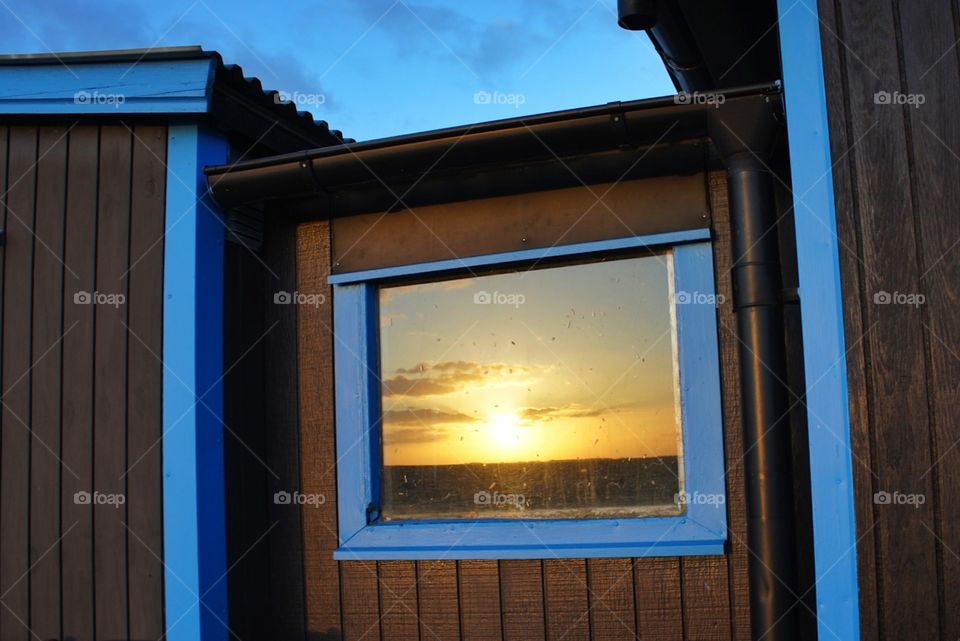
656	598
83	210
897	184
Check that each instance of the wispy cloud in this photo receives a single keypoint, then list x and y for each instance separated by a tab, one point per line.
448	377
571	410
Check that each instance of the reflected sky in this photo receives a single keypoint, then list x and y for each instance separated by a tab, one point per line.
568	362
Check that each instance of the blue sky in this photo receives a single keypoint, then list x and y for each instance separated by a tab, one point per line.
377	68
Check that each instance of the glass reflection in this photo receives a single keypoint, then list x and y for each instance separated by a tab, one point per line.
549	393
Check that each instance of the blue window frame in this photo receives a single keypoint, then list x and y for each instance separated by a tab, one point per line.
700	529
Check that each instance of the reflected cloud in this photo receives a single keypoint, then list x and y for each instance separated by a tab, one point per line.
448	377
425	417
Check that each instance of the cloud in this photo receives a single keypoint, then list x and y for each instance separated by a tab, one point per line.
571	410
420	425
446	377
424	416
483	46
238	34
412	435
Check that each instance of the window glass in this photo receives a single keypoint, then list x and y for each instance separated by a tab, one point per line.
544	393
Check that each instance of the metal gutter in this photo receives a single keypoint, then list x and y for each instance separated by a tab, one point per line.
544	138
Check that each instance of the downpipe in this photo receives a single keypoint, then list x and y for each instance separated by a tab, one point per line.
743	135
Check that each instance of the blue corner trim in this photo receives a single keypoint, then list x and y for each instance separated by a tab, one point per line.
149	86
193	475
701	530
831	472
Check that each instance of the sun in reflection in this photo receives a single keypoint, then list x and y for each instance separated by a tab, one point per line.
504	432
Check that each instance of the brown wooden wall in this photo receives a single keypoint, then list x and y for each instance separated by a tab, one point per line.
897	187
695	598
83	210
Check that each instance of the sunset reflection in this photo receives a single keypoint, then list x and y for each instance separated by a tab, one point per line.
559	364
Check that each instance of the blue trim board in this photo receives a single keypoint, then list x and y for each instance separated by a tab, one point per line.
701	530
831	471
194	528
122	87
652	240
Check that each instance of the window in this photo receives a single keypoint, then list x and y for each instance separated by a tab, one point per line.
556	402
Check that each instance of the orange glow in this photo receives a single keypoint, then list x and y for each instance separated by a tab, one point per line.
553	364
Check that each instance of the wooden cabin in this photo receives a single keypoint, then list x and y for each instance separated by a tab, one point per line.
674	368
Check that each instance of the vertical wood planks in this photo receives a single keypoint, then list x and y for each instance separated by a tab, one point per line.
45	412
145	383
439	614
612	613
16	439
398	600
77	476
317	447
926	36
706	607
566	591
897	380
521	589
480	600
110	374
66	422
659	599
361	601
733	431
